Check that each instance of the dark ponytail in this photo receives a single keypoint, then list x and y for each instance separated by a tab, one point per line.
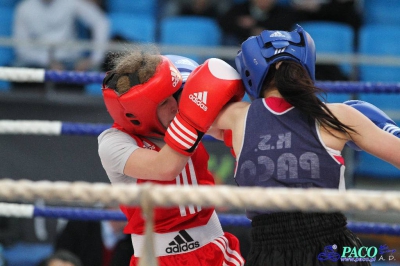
297	88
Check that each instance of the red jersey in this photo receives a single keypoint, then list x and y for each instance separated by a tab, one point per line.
187	234
175	218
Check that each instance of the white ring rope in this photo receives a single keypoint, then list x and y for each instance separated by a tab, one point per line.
16	210
149	196
30	127
22	74
285	199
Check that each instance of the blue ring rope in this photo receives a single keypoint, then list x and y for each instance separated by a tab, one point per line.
225	219
75	77
331	86
83	129
91	129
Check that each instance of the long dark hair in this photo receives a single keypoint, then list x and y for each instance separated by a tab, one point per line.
297	88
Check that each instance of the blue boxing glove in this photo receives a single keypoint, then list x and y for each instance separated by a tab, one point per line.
376	115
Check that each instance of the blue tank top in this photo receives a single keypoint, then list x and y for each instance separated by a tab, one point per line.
283	149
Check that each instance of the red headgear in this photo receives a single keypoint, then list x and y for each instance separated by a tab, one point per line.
136	109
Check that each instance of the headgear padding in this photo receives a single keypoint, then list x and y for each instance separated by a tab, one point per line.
259	52
136	109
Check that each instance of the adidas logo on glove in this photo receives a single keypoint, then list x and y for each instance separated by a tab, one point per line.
182	242
200	98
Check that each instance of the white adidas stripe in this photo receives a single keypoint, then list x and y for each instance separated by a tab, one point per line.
199	96
178	139
182	135
193	178
234	253
190	133
391	128
186	183
182	208
202	96
192	208
278	51
233	257
228	254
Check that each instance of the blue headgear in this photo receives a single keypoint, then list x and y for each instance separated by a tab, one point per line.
185	65
259	52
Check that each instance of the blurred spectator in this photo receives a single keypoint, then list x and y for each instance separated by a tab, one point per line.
96	243
344	11
101	4
61	258
253	16
330	72
206	8
54	21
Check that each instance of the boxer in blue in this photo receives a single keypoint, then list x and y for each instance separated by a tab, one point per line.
288	137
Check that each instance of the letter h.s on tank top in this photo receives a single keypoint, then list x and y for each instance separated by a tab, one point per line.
282	148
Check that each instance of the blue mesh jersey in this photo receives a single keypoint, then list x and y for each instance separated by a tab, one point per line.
282	148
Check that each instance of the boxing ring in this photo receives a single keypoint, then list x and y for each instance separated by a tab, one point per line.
62	198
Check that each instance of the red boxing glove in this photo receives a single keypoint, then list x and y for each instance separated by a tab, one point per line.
208	88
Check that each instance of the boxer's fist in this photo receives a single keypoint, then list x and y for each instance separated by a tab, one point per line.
376	115
208	88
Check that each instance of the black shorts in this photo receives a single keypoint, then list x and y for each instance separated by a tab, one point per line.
301	239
